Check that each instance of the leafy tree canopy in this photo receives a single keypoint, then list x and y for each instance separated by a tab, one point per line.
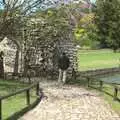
107	21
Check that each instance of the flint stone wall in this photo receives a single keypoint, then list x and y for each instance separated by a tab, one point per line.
51	55
9	48
71	50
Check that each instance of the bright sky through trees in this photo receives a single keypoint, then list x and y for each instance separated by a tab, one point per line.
93	1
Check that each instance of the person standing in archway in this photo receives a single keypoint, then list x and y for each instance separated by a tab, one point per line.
63	64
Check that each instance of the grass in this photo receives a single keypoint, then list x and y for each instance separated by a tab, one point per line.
15	103
114	104
97	59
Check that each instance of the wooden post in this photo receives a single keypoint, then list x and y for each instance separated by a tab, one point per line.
88	81
37	89
101	85
0	109
74	74
115	93
28	97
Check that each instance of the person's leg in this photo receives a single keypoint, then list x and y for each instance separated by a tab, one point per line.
60	75
64	76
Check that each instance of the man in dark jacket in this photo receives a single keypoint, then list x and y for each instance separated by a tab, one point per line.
63	64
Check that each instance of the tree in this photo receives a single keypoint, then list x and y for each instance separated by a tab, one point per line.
107	21
55	23
13	15
85	32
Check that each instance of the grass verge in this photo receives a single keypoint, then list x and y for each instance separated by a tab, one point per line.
97	59
15	103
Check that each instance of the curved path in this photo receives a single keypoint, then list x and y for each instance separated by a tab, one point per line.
70	103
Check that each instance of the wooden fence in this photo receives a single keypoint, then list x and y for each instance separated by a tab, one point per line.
27	90
93	74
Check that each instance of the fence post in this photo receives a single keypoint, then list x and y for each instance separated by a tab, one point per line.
88	79
37	89
101	85
0	109
115	93
28	96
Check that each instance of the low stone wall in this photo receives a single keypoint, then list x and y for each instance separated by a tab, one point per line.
99	72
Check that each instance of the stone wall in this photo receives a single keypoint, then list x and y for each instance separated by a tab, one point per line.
9	49
50	54
71	50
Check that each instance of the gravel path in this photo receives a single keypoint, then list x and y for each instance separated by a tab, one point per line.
70	103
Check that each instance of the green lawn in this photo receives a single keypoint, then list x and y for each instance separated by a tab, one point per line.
97	59
15	103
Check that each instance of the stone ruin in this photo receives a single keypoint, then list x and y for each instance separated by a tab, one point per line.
36	53
50	53
9	48
47	50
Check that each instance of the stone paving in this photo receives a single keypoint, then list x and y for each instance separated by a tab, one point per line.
70	103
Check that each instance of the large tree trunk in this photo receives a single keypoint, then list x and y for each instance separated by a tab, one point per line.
16	66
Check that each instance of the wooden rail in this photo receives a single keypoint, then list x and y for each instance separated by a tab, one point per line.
116	89
115	85
92	75
27	90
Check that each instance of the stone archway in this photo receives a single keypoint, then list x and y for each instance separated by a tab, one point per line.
11	51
